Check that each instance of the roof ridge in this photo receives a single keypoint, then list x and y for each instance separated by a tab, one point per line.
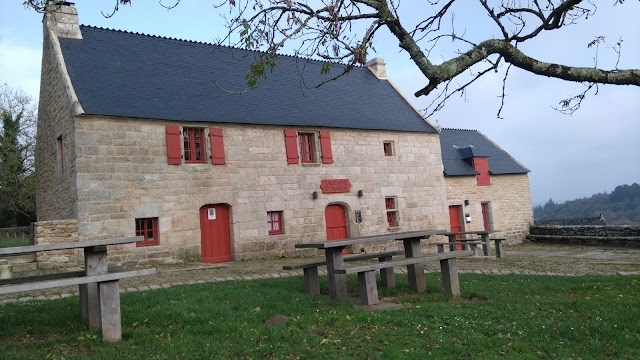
454	129
217	45
504	151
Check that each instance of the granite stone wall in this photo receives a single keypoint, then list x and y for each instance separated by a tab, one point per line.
54	232
55	168
509	201
610	235
123	175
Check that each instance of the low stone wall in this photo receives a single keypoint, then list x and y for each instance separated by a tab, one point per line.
610	235
53	232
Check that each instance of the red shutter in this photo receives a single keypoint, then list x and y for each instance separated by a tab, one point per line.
481	164
291	144
325	147
217	146
174	154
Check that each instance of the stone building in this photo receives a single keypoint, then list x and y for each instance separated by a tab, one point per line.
152	136
487	189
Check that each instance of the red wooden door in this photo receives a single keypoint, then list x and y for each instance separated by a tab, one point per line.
215	239
455	213
336	219
485	216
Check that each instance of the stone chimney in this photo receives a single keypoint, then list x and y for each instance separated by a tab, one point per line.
62	18
376	65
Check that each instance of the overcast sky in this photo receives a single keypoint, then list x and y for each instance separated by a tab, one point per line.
591	151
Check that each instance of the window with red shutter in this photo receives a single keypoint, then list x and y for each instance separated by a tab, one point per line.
217	146
193	145
291	145
392	211
174	153
481	165
147	227
325	146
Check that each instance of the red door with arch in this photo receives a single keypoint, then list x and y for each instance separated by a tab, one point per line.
215	238
336	218
455	214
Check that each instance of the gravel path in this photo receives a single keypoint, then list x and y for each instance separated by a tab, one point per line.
519	259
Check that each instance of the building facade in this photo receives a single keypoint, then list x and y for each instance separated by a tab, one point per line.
158	137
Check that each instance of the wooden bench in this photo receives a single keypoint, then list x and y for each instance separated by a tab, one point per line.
473	246
99	289
367	287
312	281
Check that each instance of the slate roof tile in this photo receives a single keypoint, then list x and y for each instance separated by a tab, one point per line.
455	143
118	73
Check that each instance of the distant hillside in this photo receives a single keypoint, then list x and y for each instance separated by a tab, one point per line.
621	207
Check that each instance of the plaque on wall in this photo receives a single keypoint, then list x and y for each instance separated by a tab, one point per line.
335	186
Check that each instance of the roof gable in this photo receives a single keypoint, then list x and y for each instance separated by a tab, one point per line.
457	145
123	74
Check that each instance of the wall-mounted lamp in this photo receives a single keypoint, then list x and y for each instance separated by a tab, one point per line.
360	193
314	195
466	202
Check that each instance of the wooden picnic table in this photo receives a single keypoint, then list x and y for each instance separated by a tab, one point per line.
335	259
484	236
98	289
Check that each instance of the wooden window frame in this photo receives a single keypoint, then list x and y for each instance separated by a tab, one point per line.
391	206
143	227
308	141
192	146
388	148
275	222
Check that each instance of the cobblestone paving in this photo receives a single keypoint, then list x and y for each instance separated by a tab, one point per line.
523	259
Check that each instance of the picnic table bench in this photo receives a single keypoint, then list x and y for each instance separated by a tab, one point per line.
368	290
335	259
99	289
310	270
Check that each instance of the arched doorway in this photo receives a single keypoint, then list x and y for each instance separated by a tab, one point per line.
215	238
336	219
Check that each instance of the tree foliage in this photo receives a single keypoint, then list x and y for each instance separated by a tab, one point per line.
347	30
17	143
621	207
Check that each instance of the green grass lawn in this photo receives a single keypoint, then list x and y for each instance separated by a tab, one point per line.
11	241
523	317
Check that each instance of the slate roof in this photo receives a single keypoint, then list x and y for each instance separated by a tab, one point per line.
125	74
457	145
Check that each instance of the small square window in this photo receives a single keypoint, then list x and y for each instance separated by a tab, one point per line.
274	220
147	227
388	148
392	211
193	139
307	144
